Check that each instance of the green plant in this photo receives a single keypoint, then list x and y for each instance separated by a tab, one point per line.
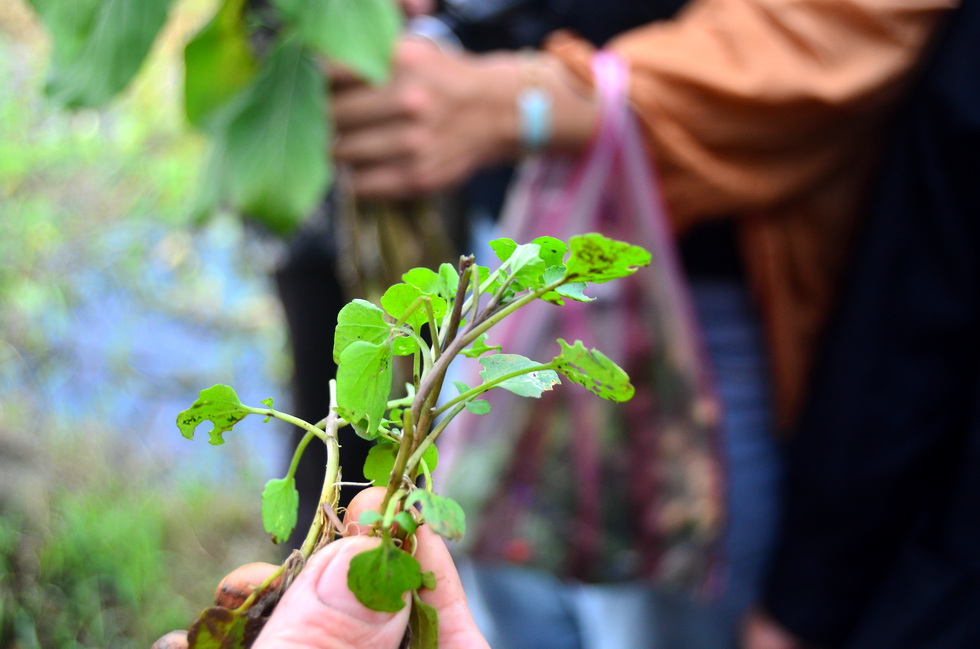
431	318
253	84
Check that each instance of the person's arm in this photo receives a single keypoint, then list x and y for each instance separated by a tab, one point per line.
748	103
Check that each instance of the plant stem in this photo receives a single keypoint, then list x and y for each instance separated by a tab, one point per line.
298	453
452	328
329	492
434	435
401	460
254	595
296	421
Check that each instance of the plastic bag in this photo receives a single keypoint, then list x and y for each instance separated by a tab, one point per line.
572	484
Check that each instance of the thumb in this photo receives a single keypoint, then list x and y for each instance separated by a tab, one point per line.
320	612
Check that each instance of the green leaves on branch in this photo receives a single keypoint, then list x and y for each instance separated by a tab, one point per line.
420	318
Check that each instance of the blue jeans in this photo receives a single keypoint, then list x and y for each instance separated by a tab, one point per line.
523	609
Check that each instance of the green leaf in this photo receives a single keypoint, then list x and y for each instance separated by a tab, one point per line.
217	628
532	384
406	521
381	460
98	45
429	580
364	376
397	300
552	250
431	457
595	258
423	625
571	290
359	320
218	404
400	297
369	517
426	280
449	281
503	247
443	515
476	406
269	152
359	34
379	577
218	63
591	369
526	265
479	347
379	463
280	502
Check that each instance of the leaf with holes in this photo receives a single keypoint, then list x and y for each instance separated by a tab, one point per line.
218	404
595	258
443	515
594	371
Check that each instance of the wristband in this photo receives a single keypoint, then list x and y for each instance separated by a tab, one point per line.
534	109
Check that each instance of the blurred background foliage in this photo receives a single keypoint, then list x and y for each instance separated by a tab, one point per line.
115	310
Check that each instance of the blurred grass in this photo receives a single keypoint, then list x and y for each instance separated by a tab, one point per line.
107	540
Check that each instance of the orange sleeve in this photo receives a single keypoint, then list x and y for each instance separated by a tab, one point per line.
747	104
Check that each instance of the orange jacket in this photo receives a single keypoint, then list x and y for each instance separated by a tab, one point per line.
771	112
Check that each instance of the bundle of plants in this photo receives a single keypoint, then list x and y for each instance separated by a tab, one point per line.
429	319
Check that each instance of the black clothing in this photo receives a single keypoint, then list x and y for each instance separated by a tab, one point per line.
880	547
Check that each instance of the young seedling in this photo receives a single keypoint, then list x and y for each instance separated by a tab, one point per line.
432	318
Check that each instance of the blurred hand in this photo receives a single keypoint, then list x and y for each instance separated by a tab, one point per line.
440	118
760	631
318	610
444	115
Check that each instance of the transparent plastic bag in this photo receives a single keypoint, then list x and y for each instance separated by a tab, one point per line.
572	484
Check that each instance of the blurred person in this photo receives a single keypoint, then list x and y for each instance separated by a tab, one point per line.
880	541
765	120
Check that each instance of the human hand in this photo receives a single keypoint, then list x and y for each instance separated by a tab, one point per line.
440	118
761	631
318	611
446	114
